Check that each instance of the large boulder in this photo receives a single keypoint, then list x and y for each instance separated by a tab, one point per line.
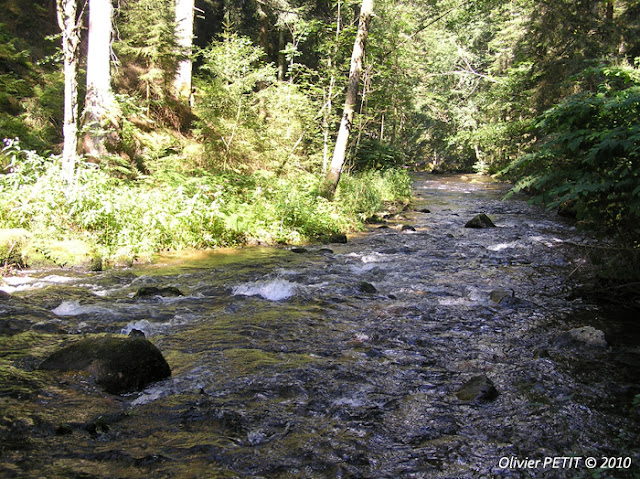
119	364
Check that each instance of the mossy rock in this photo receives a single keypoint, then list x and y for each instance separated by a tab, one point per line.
119	364
70	253
12	243
339	238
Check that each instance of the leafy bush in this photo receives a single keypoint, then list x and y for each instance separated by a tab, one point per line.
589	153
173	210
375	155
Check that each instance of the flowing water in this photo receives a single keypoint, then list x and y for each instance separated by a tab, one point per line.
335	362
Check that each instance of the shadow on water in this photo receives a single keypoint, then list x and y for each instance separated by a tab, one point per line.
429	351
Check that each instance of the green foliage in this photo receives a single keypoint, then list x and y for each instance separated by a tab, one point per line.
174	210
146	49
30	95
372	154
247	119
589	153
364	194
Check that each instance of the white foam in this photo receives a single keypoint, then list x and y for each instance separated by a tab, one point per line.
74	308
14	284
273	290
149	328
502	246
356	269
153	393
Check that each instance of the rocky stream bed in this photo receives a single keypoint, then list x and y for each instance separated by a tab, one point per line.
421	348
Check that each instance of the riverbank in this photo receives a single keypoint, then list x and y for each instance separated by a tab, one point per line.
99	220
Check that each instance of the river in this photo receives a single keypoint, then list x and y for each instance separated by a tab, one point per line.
336	361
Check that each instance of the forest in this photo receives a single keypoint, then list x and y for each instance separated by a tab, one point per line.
153	125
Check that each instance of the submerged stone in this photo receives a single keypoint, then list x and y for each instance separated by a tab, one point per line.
580	337
478	388
480	221
120	365
367	288
151	291
499	295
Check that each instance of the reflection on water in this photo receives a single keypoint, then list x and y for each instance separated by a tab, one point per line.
286	366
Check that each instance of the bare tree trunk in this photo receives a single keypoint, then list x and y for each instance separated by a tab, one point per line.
184	37
329	103
100	116
70	25
281	64
339	153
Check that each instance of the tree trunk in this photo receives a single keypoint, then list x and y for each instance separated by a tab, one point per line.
329	103
70	25
184	37
100	116
281	59
337	163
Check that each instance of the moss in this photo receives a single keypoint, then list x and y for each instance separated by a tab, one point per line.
12	244
63	253
249	361
28	344
17	383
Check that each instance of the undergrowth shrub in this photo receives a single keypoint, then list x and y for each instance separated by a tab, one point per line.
123	218
589	154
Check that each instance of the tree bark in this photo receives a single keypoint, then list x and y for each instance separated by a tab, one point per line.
184	37
355	71
100	116
70	24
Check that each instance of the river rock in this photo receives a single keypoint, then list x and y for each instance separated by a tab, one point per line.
478	388
586	336
12	242
119	364
500	295
367	288
340	238
152	291
480	221
407	229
